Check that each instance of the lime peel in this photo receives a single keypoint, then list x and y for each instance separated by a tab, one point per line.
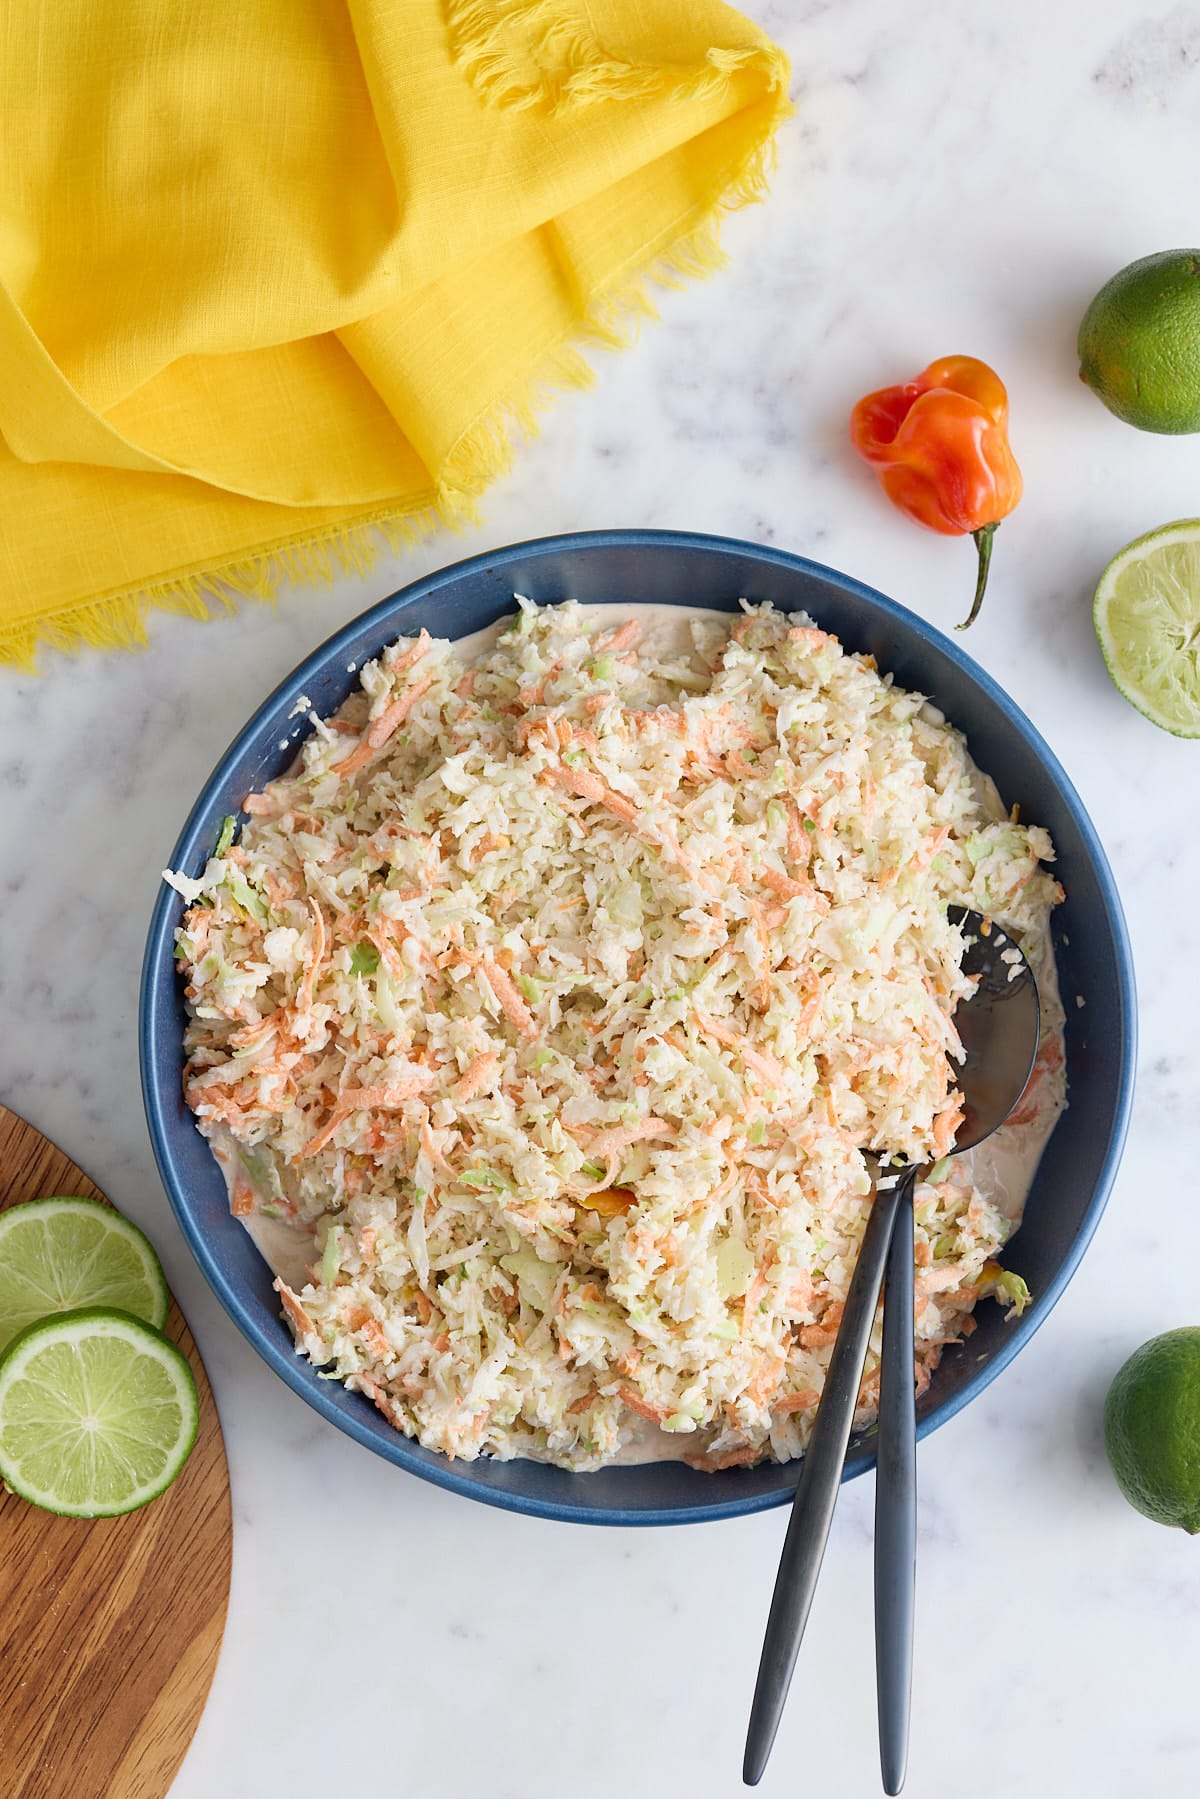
1152	1429
1139	343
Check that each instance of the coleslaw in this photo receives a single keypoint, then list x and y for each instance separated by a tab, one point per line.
561	998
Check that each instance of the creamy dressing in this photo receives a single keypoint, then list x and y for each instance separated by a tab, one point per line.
286	1246
1002	1167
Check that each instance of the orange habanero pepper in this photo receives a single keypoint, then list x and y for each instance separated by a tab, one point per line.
940	447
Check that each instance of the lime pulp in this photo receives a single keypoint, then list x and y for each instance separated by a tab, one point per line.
1147	617
59	1254
98	1413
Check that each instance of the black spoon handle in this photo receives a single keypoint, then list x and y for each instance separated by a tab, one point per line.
896	1500
816	1490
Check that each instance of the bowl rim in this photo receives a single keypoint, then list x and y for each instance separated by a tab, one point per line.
297	1373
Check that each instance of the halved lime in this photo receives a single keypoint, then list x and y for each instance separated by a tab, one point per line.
98	1413
59	1254
1147	616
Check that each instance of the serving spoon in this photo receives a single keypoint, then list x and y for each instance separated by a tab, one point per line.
998	1026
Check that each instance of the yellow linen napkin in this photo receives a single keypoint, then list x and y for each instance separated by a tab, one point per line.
274	273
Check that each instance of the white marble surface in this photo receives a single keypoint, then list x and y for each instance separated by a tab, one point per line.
956	179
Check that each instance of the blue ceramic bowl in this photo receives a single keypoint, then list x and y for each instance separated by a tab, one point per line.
1094	960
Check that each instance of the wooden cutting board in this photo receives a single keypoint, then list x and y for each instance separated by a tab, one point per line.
109	1627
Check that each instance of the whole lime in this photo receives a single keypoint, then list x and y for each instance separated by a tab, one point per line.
1139	343
1152	1429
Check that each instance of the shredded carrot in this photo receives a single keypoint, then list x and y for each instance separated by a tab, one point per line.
430	1145
590	787
387	1098
783	884
254	1033
295	1311
372	1333
308	984
623	638
242	1202
799	1401
634	1402
478	1073
798	842
754	1293
364	1099
620	1136
820	1336
945	1125
322	1137
742	770
759	1060
385	1403
411	655
385	726
487	845
279	888
508	999
929	849
766	1379
535	694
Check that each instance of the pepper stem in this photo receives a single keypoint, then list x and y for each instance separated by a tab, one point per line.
983	543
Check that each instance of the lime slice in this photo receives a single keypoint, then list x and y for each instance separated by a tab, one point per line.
98	1413
1147	616
59	1254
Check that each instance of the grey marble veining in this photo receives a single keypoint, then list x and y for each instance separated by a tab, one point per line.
954	180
